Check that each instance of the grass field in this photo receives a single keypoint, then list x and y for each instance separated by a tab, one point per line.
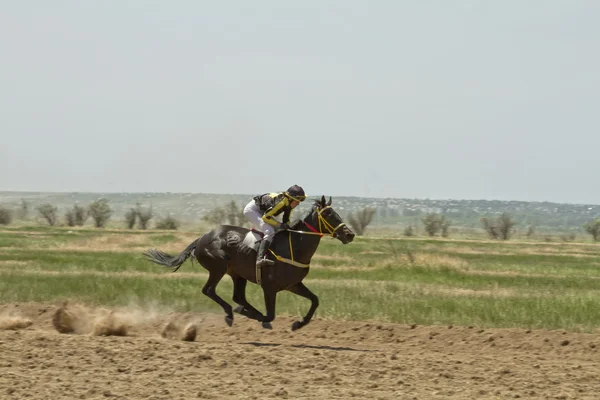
409	280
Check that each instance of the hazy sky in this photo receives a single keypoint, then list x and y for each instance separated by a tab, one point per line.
438	99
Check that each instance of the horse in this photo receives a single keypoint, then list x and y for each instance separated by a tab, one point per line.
231	250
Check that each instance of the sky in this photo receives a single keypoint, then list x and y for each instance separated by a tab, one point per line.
409	99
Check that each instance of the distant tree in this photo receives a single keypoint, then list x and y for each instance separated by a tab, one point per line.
23	210
70	218
568	237
5	216
593	228
431	224
505	225
81	215
361	220
130	218
144	216
530	231
436	223
445	226
100	212
167	223
500	228
216	216
490	228
48	212
409	231
76	216
235	214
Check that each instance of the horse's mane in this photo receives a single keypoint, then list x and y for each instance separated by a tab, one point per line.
296	224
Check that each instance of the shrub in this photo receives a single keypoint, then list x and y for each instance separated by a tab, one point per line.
235	214
500	228
100	212
23	212
5	216
593	228
48	212
76	216
361	220
436	223
144	215
167	223
216	216
130	218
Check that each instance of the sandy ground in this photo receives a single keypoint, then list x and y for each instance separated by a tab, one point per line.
326	359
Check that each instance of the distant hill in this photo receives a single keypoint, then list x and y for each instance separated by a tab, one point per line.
190	207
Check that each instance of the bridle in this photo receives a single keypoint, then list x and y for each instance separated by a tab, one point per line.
323	224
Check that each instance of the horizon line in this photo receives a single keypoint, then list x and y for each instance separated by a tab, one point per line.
333	196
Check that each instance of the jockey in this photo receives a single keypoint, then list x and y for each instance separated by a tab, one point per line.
261	210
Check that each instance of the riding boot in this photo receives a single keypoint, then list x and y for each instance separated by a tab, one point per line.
261	259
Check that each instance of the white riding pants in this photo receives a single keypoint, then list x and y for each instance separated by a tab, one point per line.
254	215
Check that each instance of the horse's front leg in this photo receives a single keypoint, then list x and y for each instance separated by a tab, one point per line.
305	292
270	299
239	296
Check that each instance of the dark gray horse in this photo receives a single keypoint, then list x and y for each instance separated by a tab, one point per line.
229	250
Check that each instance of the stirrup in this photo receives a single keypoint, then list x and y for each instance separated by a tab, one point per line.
264	261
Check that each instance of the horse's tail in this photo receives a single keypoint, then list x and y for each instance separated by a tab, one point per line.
162	258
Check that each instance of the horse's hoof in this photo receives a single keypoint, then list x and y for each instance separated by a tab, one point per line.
229	320
239	310
297	325
267	325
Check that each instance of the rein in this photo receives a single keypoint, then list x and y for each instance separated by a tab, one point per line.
322	224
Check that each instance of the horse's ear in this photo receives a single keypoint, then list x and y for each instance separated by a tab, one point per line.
329	202
323	201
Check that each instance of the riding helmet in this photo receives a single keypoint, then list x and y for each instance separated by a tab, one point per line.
295	192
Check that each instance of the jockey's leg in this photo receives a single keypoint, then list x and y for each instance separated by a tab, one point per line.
269	232
253	214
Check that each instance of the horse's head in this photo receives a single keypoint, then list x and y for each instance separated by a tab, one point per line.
327	221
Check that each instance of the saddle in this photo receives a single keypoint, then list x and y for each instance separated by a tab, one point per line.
252	239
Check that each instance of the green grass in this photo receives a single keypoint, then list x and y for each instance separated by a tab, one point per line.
415	280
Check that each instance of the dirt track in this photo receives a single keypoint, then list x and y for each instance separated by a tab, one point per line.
326	359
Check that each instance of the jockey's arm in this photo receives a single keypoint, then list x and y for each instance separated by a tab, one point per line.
286	215
268	215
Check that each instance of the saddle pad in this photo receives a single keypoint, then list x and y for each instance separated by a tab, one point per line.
252	239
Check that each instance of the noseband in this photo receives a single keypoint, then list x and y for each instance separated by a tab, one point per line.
324	224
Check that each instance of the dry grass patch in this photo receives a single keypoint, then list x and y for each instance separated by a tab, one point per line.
28	233
14	263
123	274
439	260
410	289
456	292
345	267
427	260
416	259
118	243
335	257
108	243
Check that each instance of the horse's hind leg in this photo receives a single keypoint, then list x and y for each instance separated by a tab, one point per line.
301	290
239	296
216	270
